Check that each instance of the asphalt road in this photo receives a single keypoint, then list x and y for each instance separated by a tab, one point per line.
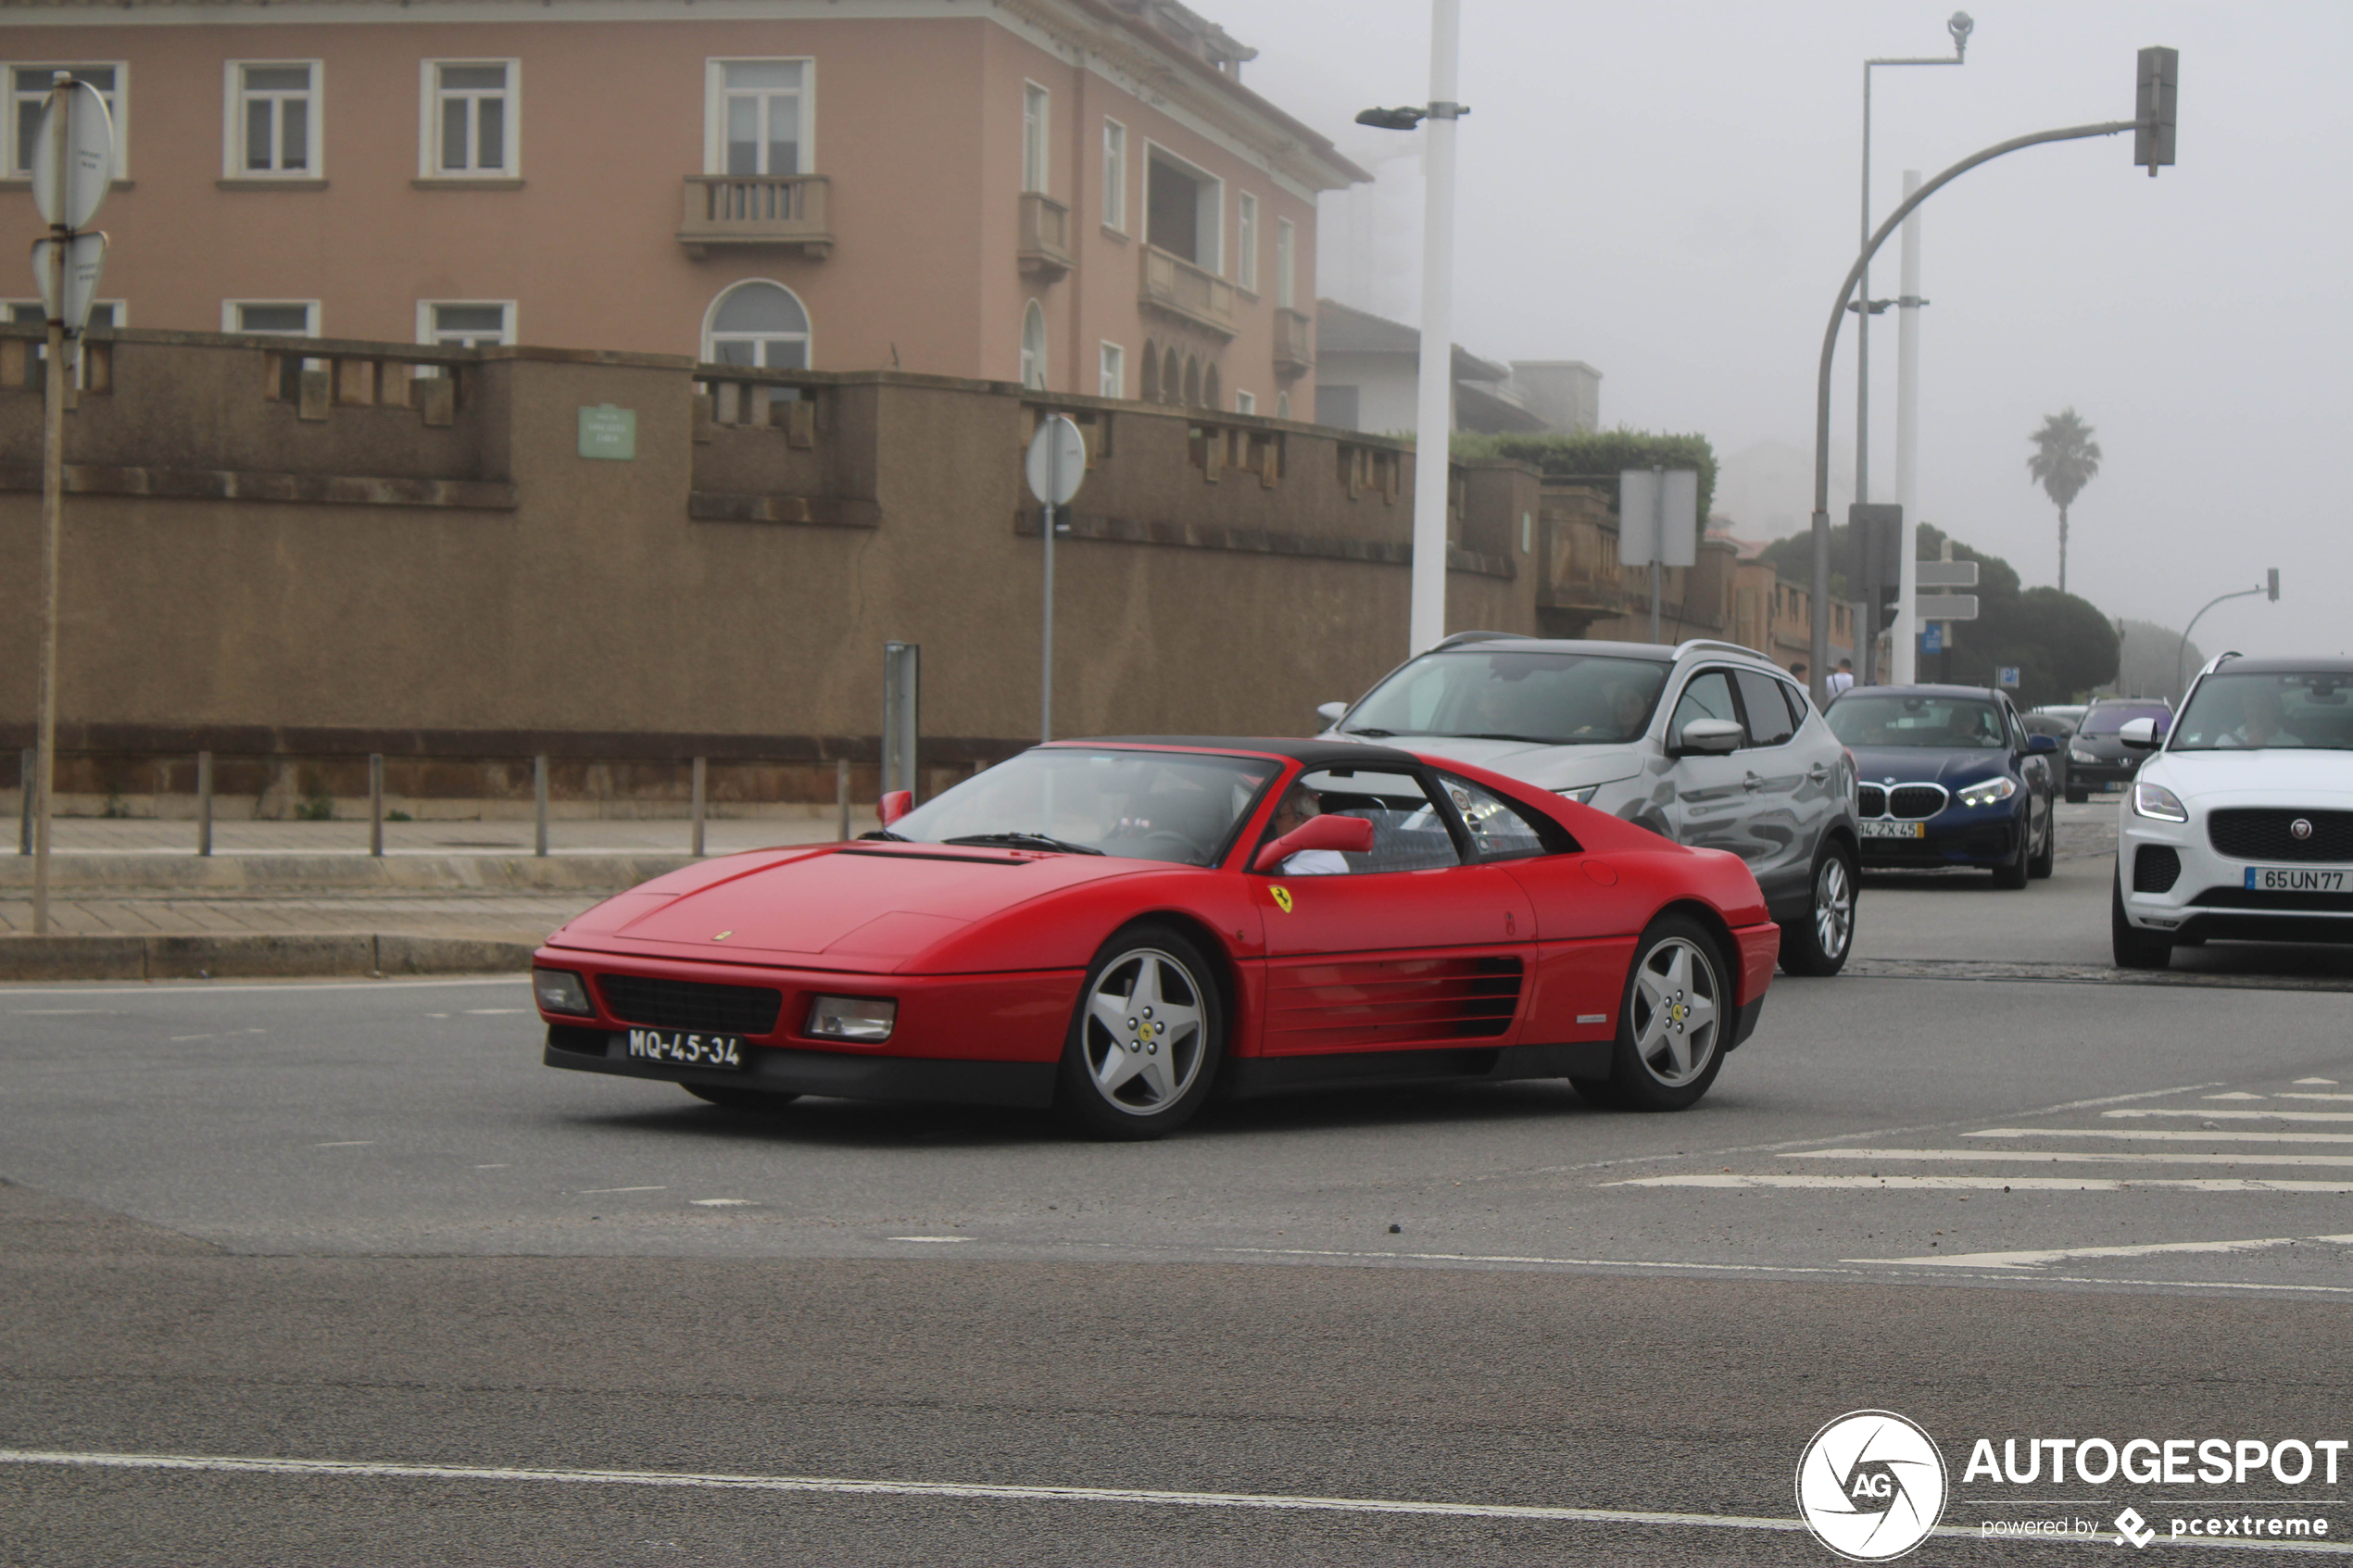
359	1223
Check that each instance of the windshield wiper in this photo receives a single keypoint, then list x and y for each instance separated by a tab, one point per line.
1367	730
887	834
1036	840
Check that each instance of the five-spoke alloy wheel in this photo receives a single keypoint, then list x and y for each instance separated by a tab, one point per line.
1146	1037
1819	944
1673	1020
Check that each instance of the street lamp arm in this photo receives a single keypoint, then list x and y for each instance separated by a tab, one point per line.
1820	645
2182	650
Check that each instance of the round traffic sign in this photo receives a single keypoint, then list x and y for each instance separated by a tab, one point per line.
1057	461
76	113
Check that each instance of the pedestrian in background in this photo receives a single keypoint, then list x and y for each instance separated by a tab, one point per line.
1843	678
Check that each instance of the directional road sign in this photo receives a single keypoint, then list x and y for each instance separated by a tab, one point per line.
1945	606
1947	573
1933	639
85	258
1658	517
78	111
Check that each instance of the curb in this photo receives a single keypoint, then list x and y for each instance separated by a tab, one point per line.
253	957
88	873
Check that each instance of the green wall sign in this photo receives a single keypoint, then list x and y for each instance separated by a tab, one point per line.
609	433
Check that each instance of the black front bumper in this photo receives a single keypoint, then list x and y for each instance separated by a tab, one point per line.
2085	777
837	1073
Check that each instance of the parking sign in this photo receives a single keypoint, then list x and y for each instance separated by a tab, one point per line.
2009	677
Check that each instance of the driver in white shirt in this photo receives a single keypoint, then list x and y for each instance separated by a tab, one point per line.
1297	805
2260	721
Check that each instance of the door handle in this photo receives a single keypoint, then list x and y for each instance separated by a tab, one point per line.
1817	772
1751	782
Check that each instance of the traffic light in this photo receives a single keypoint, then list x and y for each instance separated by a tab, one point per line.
2272	583
2153	107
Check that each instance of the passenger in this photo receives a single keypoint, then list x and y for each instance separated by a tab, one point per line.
1291	812
2259	721
1626	705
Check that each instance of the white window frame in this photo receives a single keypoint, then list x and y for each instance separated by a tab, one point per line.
1110	369
1114	176
1282	405
1286	264
1036	138
714	91
1246	242
1245	402
425	308
429	120
233	120
229	309
8	307
1212	207
1034	362
703	347
118	109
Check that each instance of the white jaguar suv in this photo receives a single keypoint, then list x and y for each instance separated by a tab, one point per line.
2240	826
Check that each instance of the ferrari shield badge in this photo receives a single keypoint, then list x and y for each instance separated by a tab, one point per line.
1282	898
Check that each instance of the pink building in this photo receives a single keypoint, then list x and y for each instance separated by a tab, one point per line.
1078	194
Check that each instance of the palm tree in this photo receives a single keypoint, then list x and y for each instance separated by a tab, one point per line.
2066	459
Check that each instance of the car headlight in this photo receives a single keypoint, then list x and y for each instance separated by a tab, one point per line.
2156	800
560	990
2077	753
1989	792
1583	794
867	1020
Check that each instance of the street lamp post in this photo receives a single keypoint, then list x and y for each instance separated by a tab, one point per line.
2182	650
1434	405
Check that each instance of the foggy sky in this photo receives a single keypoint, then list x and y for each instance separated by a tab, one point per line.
1670	191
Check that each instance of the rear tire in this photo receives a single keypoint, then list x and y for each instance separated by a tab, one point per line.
2076	797
752	1102
2046	857
1146	1039
2134	948
1674	1018
1818	943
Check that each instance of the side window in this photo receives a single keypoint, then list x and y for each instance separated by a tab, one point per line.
1710	696
1798	706
1768	722
1409	833
1501	830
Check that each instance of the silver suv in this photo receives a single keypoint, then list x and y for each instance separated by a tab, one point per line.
1707	744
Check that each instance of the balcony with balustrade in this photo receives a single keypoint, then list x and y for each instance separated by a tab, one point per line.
1045	236
1176	286
1294	342
782	210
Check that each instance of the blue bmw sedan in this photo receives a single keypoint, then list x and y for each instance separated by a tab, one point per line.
1948	777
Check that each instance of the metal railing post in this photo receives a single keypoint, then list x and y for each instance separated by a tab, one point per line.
376	804
24	811
539	805
841	796
204	803
701	772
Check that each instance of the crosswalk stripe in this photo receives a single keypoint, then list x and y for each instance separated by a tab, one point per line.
2160	1135
2074	1157
2213	1115
1986	1183
2058	1255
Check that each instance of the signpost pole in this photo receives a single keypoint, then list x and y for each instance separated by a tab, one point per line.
1658	538
53	491
1045	682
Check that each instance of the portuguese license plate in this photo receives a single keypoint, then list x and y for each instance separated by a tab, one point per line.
1894	830
2293	879
679	1048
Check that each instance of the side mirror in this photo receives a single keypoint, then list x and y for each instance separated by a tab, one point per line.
1352	834
2141	734
1708	737
897	804
1331	712
2041	745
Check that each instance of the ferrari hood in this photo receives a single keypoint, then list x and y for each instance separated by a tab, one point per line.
854	906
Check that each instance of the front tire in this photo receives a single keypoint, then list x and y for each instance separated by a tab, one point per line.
2014	875
2134	948
2046	859
1673	1019
1819	944
1146	1039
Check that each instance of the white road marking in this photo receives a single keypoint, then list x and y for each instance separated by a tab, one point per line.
598	1192
2147	1250
219	1035
2239	1115
2071	1157
472	1012
984	1492
2309	1095
2122	1100
927	1238
348	1143
2160	1135
58	1012
506	1167
1994	1184
718	1203
2235	1093
2303	1081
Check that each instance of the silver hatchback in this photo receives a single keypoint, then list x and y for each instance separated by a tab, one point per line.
1707	744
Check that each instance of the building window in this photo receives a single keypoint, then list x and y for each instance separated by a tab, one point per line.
465	323
1033	347
1184	211
1245	403
1033	137
1282	405
471	117
1148	374
1285	250
30	84
273	127
275	318
1114	176
1246	240
760	117
1110	379
758	323
104	313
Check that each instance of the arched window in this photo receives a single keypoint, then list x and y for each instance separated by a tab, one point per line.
1172	376
1192	383
1282	405
1147	383
1211	387
1033	347
757	324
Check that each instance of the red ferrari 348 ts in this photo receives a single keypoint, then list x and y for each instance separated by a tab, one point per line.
1122	928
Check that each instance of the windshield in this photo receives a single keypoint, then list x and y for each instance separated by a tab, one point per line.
1142	805
1944	724
2109	718
1550	698
2301	711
